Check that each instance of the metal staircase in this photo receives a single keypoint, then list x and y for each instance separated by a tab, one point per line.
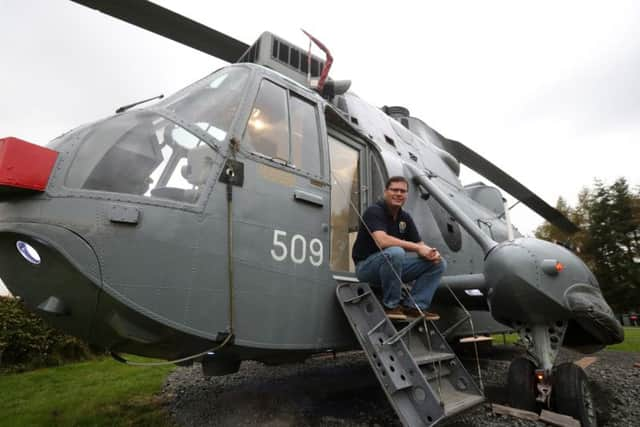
421	376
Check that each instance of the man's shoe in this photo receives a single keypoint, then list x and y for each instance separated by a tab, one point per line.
413	312
396	313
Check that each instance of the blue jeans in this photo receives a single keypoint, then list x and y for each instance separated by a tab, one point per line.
376	270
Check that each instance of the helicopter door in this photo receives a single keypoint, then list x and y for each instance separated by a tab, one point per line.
346	199
281	215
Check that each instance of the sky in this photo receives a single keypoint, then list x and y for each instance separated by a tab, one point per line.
548	91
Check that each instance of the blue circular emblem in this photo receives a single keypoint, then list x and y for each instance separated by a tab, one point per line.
28	252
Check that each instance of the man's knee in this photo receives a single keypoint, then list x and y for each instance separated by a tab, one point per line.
433	267
394	253
442	265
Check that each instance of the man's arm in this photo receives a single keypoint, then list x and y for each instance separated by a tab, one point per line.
384	241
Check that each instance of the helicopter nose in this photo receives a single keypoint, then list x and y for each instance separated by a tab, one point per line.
593	314
533	281
529	278
53	271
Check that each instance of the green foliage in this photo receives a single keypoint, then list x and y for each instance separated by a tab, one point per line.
27	342
614	243
577	215
100	392
608	241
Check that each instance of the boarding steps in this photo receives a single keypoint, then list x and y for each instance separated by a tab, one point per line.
420	374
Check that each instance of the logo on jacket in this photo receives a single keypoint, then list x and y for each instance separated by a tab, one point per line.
402	225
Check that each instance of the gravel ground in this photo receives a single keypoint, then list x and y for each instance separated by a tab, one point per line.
342	391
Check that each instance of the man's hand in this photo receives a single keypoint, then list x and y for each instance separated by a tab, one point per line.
429	253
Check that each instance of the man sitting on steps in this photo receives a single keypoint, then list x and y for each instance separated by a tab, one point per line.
386	233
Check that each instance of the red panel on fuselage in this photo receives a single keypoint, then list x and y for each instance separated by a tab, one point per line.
25	165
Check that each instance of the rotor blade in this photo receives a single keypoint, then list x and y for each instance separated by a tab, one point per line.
493	173
157	19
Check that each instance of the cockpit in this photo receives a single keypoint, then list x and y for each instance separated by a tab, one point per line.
148	153
171	150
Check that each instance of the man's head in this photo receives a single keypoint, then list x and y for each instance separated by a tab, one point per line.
395	191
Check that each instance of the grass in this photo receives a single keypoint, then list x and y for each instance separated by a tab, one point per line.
631	340
100	392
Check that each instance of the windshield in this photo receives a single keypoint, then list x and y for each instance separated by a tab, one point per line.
212	103
142	153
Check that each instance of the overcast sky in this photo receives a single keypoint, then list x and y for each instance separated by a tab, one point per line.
549	91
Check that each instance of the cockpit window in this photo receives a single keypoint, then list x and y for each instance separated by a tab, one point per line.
212	103
268	126
285	127
144	154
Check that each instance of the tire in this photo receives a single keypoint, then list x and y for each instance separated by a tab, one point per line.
571	394
521	385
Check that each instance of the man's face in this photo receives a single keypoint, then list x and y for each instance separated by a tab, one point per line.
396	194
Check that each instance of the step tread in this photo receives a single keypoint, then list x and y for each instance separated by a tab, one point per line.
430	375
454	400
433	356
459	406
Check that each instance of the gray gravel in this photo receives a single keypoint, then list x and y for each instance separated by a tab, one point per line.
343	392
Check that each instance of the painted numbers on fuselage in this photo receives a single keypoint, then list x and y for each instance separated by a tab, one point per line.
296	249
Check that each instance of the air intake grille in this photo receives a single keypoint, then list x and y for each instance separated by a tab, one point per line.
295	58
279	55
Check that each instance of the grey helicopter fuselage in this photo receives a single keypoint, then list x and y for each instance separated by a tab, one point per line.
230	208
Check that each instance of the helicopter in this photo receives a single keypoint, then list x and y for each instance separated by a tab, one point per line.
222	218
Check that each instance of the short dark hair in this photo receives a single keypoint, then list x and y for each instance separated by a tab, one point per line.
396	178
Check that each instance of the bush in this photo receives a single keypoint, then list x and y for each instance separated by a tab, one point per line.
26	342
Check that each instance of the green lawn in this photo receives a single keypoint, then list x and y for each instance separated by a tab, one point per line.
101	392
631	340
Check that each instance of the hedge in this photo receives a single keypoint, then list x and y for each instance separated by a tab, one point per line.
26	342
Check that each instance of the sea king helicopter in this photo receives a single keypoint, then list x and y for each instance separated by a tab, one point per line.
217	225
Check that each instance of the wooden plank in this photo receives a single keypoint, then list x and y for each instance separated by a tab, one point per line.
325	355
558	419
586	361
475	339
514	412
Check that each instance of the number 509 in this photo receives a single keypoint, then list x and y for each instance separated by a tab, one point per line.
296	249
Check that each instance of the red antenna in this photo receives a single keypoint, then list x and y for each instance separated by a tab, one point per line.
327	65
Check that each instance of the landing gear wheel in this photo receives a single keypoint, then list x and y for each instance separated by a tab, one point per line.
571	394
521	385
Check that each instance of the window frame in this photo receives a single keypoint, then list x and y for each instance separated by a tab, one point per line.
314	105
289	166
369	158
374	161
59	188
363	150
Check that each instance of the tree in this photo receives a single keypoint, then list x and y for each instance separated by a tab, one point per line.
613	243
577	215
550	232
608	240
